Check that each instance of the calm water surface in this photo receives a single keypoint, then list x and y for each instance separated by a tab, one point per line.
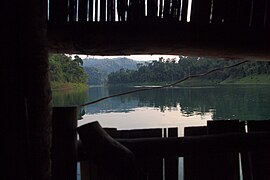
170	107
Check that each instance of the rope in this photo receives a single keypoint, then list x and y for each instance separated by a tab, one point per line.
164	86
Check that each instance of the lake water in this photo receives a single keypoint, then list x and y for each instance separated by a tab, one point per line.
170	107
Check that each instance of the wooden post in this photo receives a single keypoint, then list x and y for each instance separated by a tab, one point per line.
224	165
171	164
35	90
64	159
196	165
260	159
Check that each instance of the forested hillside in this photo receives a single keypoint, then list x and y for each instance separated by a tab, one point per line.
65	71
169	70
98	69
110	65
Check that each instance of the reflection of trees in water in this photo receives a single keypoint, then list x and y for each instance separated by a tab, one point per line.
69	98
225	102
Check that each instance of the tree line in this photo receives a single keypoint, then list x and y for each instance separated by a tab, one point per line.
65	69
170	70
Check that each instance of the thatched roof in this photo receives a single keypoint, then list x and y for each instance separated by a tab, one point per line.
220	28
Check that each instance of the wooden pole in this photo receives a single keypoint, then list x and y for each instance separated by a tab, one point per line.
26	105
64	151
36	92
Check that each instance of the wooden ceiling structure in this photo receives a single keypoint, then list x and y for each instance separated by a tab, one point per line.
238	29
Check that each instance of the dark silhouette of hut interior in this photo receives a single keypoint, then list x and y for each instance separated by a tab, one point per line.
39	142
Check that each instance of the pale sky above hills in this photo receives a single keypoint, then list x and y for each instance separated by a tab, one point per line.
134	57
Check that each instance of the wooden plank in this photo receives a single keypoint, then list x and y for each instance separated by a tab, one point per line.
136	10
155	164
224	165
260	159
96	10
161	8
102	10
58	11
151	168
225	11
166	10
141	133
109	11
184	10
176	9
231	8
90	10
72	10
258	14
64	152
218	11
112	132
196	165
113	11
122	6
200	12
152	8
82	14
267	15
171	164
243	13
85	170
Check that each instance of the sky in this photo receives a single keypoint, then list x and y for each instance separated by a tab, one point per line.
134	57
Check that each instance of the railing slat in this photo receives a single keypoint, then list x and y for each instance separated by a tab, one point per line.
260	159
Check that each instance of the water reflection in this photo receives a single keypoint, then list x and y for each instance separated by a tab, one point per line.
224	102
171	106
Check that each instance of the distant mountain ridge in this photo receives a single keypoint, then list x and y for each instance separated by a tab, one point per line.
98	69
111	65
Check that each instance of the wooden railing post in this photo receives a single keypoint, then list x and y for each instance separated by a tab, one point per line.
64	138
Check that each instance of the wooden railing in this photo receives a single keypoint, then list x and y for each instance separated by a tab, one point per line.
212	152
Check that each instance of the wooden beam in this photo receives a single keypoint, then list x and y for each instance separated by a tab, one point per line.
170	147
124	38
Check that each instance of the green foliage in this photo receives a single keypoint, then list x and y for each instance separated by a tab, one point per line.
64	69
98	76
170	70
